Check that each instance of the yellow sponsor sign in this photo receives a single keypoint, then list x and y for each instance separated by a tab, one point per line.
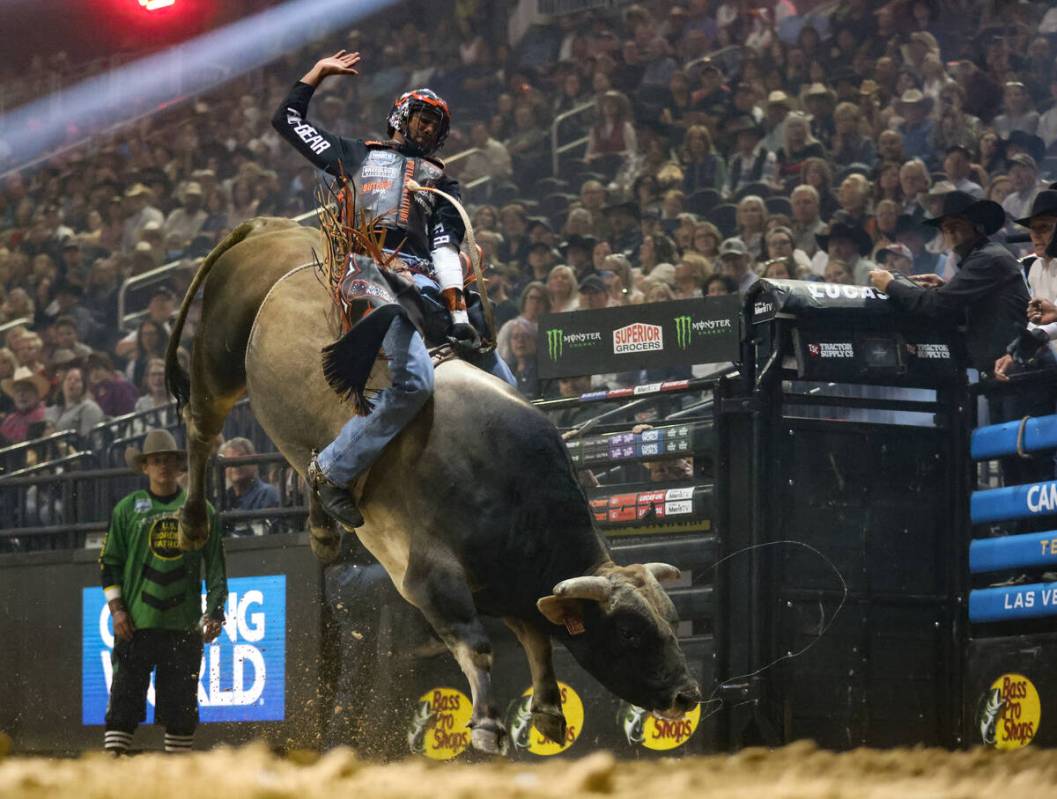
653	732
525	736
440	729
1010	712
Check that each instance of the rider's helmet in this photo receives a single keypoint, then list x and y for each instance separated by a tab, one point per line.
424	101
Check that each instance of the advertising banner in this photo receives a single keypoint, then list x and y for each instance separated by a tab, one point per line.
632	337
243	674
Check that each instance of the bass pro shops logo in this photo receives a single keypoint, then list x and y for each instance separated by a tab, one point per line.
686	327
558	338
1009	712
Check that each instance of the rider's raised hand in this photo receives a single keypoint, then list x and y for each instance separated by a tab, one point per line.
341	63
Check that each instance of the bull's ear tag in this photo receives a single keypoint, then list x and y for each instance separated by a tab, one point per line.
574	624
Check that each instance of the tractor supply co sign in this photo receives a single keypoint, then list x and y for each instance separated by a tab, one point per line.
629	338
243	675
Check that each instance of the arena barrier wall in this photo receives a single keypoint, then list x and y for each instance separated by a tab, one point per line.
824	536
262	676
1010	690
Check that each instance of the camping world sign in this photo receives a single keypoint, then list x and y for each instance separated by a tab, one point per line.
633	337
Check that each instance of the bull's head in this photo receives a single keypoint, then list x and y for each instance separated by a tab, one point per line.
621	628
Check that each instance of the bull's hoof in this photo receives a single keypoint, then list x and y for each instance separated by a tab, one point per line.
490	736
325	544
193	531
550	722
189	544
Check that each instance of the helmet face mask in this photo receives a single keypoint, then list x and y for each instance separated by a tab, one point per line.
420	101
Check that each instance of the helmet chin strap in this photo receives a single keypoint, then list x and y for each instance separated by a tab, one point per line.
412	146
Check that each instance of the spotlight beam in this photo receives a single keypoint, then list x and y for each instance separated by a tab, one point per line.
100	103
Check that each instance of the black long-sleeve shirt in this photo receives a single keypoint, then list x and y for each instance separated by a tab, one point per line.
988	292
337	155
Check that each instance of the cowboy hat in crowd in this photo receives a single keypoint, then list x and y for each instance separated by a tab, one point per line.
25	376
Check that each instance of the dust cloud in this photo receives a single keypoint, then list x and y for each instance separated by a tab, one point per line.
798	771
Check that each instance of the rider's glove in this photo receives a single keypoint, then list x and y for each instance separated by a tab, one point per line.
464	336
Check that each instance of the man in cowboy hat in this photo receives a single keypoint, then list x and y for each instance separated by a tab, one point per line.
27	389
1041	269
577	250
779	104
624	219
138	212
1024	177
989	294
917	125
153	592
847	242
752	162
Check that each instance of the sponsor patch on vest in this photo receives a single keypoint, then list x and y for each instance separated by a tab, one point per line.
164	537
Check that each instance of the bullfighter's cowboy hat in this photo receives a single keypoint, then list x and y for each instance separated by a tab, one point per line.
157	442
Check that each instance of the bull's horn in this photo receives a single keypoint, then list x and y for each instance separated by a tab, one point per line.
663	571
596	588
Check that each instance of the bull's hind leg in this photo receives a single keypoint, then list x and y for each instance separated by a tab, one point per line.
324	538
546	707
439	589
204	420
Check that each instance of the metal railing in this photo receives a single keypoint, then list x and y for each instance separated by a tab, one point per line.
38	451
127	320
557	150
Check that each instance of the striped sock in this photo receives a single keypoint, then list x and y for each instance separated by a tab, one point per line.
117	742
178	743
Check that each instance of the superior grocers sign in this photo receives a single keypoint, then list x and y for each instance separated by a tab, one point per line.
634	337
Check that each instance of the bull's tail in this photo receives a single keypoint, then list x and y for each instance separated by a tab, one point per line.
177	380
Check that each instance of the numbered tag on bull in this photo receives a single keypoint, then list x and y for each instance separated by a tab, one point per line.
526	737
574	624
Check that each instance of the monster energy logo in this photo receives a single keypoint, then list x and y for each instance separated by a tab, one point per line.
555	341
684	331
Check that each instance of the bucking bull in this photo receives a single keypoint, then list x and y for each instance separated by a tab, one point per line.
513	536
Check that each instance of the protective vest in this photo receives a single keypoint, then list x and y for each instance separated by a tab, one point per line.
381	182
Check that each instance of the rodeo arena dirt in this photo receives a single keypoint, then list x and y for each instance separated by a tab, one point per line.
533	398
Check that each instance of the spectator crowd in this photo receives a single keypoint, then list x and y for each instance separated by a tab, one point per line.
719	141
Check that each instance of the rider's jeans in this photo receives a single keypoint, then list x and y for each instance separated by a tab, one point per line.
363	438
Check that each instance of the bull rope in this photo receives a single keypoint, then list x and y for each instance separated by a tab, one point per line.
716	703
475	258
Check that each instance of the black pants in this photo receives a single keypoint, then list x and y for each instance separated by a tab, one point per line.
1012	406
178	658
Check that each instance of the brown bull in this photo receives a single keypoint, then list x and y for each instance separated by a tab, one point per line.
473	509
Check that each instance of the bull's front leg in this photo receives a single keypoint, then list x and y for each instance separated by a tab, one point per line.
439	589
546	707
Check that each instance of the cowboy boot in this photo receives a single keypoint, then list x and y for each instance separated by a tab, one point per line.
336	500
